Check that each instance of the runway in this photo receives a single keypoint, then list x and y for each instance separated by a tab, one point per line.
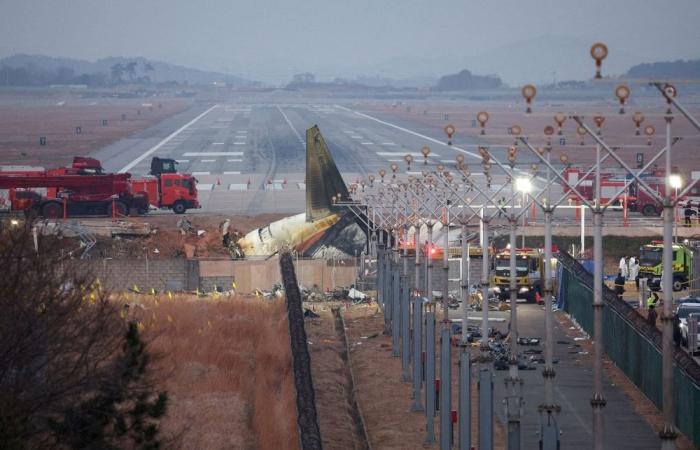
249	157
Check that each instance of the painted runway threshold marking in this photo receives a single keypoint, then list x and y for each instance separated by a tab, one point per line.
164	141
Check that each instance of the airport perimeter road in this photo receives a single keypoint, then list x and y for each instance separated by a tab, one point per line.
573	386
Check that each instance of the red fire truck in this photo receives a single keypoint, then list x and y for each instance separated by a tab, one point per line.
85	189
636	197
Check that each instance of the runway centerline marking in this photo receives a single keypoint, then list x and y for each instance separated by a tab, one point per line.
289	122
232	172
208	160
234	160
164	141
201	173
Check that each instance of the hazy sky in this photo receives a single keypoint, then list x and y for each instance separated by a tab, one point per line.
270	40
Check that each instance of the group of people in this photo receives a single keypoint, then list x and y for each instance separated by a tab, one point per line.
629	270
629	267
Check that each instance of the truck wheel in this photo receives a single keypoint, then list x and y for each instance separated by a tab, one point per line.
677	284
122	209
52	210
649	210
179	208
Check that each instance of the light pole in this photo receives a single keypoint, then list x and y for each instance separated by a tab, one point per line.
524	186
676	182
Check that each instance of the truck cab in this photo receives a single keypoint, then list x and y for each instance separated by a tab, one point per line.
651	265
530	269
168	189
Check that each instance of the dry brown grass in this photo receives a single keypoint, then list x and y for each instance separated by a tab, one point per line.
25	117
227	367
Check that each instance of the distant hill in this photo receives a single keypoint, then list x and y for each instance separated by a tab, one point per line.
680	69
465	80
38	70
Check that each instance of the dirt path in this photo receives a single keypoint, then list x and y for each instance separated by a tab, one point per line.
339	419
383	399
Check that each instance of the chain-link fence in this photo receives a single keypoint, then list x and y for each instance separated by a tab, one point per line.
633	345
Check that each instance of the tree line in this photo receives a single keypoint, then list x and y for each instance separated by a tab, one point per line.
33	75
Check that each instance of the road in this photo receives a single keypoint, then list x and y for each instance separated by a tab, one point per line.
624	427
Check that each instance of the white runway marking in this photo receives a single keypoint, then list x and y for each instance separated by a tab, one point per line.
348	132
232	172
239	143
164	141
414	154
238	187
208	160
234	160
205	186
212	154
201	173
388	144
217	143
406	130
356	137
289	122
367	143
182	160
427	138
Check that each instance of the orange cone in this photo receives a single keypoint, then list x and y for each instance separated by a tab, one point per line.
218	181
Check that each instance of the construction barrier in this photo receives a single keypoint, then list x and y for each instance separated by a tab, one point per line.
632	344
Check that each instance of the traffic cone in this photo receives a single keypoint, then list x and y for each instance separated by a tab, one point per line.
218	181
284	181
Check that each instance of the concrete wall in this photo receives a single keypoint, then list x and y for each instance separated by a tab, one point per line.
123	274
205	274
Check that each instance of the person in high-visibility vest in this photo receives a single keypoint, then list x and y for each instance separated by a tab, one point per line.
653	299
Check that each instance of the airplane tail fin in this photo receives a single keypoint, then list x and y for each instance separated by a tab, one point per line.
323	180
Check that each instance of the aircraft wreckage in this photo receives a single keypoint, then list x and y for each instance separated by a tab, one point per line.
325	230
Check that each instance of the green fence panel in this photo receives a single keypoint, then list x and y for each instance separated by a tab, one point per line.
633	345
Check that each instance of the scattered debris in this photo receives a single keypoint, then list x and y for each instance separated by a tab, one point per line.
310	314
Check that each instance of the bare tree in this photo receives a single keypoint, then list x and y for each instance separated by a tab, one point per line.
73	372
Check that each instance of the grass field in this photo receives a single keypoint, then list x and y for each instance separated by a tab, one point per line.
226	364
